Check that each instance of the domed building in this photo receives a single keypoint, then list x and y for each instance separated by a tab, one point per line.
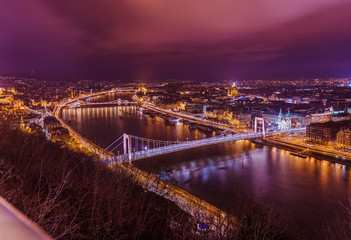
233	91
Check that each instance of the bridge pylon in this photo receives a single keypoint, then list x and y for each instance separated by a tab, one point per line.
260	119
127	145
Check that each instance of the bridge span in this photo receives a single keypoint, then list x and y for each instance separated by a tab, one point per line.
118	102
135	148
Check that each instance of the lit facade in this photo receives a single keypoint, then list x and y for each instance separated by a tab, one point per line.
233	91
343	140
284	122
323	133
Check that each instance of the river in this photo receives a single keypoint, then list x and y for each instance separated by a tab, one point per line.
309	190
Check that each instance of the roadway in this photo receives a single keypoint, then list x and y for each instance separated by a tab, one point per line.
206	122
132	156
194	206
57	114
198	208
340	157
183	199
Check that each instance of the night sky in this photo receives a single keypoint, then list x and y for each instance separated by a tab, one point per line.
208	40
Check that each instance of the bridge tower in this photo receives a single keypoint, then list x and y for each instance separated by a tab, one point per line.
127	145
259	119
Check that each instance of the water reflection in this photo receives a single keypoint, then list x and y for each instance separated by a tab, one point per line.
103	125
305	189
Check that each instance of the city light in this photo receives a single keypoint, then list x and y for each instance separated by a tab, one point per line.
175	119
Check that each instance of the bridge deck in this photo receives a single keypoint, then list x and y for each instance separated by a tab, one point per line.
188	145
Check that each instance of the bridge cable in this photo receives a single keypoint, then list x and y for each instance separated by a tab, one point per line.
114	142
116	147
153	140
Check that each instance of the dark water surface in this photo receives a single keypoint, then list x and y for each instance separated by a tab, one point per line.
302	189
305	189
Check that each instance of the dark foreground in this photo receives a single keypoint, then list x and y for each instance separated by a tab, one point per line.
72	196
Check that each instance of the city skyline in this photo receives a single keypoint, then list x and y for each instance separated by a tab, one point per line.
285	140
187	119
168	40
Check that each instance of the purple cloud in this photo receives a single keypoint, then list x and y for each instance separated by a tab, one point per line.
194	39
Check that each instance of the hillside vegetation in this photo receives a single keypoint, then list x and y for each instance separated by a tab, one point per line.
71	195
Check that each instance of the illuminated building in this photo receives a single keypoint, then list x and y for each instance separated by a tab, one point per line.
284	122
233	91
143	90
343	139
340	117
324	133
6	99
321	117
23	126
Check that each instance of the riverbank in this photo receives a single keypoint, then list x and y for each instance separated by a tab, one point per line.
308	151
145	126
90	146
72	195
215	219
197	208
204	214
181	115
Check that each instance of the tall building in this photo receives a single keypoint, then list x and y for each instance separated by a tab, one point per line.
324	133
343	139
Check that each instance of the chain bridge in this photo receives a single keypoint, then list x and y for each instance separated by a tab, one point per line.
118	102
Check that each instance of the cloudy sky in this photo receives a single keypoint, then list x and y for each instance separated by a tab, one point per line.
189	39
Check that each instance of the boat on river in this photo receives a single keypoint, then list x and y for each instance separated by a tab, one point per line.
299	154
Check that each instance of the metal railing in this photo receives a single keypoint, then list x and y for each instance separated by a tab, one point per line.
190	144
198	208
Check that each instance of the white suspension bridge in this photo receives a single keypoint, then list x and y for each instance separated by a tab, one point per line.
135	148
